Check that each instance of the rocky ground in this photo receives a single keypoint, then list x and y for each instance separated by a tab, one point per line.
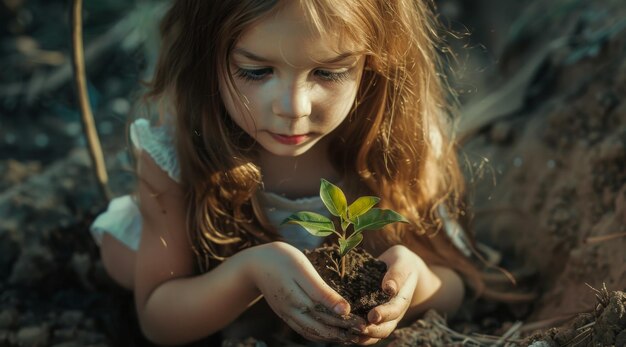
545	155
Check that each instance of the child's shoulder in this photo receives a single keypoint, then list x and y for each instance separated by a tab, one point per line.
156	141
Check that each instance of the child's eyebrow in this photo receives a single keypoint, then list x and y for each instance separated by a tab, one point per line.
255	57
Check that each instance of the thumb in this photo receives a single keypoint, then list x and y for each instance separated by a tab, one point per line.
320	292
396	274
333	301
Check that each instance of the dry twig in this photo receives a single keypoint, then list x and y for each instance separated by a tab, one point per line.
597	239
78	63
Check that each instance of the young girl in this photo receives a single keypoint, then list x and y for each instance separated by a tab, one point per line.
259	100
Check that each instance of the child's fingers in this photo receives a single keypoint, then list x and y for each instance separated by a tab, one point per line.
302	304
306	325
366	341
320	292
380	331
350	322
399	267
296	312
395	308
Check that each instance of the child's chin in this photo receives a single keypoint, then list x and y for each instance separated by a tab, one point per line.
288	150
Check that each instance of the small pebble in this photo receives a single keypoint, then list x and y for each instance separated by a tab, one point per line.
5	337
105	127
10	138
612	149
81	264
561	215
501	133
73	129
36	336
8	318
70	318
64	334
67	344
33	264
42	140
120	106
540	344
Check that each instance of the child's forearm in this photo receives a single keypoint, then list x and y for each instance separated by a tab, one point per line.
438	288
188	309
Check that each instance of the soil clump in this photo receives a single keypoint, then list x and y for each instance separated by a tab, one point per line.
361	284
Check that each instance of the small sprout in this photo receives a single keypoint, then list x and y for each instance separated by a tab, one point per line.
361	214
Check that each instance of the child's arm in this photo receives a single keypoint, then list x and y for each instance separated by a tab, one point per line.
415	288
175	306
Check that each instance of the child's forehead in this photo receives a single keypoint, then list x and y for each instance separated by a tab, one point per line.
288	34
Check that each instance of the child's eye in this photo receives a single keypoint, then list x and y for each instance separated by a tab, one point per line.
259	74
252	74
333	76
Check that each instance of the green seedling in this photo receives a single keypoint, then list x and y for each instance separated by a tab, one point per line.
361	215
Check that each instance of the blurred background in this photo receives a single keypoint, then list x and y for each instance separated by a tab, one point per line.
542	131
37	97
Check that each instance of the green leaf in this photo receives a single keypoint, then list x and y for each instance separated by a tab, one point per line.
334	199
314	223
346	245
361	205
377	218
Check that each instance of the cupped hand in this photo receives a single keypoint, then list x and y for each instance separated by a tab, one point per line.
295	292
400	282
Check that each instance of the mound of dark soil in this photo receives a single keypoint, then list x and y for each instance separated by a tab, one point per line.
361	284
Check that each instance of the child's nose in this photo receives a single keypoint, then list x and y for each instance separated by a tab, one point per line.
294	101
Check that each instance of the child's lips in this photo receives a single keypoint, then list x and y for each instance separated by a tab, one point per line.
290	139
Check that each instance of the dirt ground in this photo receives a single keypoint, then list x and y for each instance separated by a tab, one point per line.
544	150
559	167
549	176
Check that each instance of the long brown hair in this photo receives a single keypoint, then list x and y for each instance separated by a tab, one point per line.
395	142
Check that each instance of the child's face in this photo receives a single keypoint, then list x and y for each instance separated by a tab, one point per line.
297	85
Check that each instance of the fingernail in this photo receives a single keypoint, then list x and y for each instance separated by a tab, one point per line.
341	308
356	330
390	288
375	317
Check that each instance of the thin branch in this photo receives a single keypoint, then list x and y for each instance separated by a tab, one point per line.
475	340
529	327
580	338
505	338
597	239
78	63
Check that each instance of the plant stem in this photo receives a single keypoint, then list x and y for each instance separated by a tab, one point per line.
342	258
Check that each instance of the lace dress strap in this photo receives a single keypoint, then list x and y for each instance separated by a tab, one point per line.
158	142
122	219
